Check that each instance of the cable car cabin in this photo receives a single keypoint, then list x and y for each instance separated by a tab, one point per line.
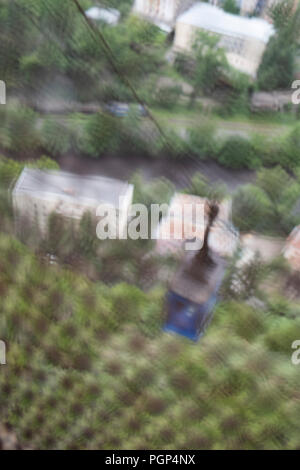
190	301
194	289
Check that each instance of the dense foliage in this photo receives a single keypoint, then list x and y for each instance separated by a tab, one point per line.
88	367
277	68
270	205
47	46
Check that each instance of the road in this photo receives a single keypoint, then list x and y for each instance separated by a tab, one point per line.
178	172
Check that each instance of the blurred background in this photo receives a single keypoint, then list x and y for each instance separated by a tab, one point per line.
185	101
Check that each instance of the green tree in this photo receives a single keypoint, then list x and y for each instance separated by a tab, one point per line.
210	63
283	193
19	131
277	66
86	240
278	62
168	97
267	206
231	7
289	149
238	152
101	134
56	137
200	186
202	140
250	209
237	97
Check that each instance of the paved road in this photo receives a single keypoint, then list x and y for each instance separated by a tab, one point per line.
179	172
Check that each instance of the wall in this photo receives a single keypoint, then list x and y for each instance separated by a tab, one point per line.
161	10
243	54
36	209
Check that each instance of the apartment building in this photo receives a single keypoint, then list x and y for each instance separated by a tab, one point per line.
244	39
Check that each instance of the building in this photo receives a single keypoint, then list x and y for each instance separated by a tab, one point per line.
265	101
268	248
244	39
249	7
272	101
291	251
163	13
254	247
39	193
109	16
179	226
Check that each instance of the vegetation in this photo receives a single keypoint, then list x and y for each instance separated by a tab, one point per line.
278	64
210	62
86	361
41	47
231	7
201	187
88	365
238	152
61	61
168	97
269	205
202	140
18	130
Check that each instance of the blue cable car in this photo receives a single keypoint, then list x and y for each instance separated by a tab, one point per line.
194	289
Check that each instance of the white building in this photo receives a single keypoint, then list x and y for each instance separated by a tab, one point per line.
109	16
187	220
161	12
248	7
39	193
244	39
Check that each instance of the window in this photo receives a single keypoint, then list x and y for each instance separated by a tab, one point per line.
232	44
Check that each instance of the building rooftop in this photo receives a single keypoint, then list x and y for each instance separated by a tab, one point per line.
108	15
212	18
85	188
174	229
268	248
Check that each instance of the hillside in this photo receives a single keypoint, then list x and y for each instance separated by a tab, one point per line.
82	356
